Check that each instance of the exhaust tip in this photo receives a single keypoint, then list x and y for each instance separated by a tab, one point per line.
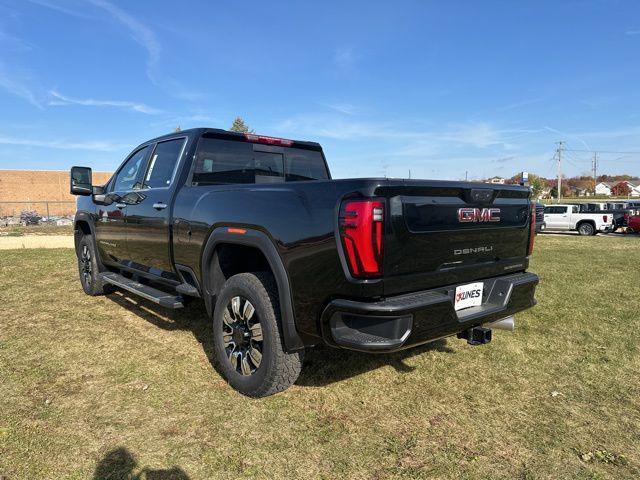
506	323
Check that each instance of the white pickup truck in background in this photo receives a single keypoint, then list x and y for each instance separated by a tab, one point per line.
568	217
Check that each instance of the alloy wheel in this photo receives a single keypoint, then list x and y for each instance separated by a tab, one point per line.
242	336
85	265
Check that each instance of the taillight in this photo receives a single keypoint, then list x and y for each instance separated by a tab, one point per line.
361	231
532	231
268	140
605	218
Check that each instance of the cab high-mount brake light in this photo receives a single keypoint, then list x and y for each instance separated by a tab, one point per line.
283	142
361	231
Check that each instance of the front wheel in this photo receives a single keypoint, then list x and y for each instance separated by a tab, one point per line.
586	229
248	348
89	268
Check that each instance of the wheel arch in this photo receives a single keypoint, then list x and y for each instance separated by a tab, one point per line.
82	225
586	220
213	278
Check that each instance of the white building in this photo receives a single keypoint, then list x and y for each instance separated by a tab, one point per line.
604	188
498	180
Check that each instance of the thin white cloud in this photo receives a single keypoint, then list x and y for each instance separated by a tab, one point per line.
18	85
90	102
12	42
147	38
99	146
474	134
344	108
632	32
143	35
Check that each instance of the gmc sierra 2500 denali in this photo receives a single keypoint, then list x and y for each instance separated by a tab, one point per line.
285	258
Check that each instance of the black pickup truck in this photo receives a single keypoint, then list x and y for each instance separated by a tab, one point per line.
285	258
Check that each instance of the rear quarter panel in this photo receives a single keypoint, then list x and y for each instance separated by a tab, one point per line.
299	217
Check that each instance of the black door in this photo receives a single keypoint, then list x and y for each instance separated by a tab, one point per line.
149	217
111	237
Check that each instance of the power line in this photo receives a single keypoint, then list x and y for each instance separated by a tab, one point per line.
602	151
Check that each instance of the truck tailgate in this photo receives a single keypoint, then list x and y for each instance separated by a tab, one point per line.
442	233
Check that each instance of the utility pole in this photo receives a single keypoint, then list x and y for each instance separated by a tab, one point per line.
559	185
466	175
595	171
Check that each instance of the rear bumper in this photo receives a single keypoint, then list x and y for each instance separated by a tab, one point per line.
408	320
540	226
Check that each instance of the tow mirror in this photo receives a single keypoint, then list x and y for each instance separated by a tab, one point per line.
81	181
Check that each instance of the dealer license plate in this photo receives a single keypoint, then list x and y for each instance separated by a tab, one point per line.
469	295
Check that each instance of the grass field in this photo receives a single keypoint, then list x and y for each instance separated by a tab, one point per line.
113	387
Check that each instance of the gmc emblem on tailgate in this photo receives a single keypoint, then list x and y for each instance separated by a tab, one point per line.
466	215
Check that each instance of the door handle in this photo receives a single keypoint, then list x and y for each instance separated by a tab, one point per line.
121	205
159	206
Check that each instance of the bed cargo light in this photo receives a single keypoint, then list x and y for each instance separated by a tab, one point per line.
361	231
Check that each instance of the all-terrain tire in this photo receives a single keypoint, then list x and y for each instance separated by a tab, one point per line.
89	268
277	369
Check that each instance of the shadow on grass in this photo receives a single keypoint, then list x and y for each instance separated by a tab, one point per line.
120	464
322	365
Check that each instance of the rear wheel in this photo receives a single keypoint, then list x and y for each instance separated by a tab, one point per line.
89	268
248	348
586	229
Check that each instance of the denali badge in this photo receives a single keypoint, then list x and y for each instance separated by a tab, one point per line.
467	251
466	215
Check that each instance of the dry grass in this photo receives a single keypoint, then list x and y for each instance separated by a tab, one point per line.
113	387
44	229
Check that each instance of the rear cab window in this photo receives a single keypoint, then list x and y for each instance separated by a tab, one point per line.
221	161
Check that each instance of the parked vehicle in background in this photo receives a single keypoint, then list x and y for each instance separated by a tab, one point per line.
593	207
285	258
540	223
634	223
569	218
619	216
622	210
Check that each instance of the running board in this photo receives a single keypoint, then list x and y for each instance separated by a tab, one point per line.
145	291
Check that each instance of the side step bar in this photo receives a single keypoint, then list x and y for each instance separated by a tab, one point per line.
145	291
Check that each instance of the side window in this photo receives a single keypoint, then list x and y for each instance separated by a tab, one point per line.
163	163
575	209
548	209
127	178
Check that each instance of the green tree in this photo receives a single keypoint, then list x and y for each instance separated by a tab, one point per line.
537	184
239	126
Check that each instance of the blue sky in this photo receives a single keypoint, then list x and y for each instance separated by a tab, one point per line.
437	88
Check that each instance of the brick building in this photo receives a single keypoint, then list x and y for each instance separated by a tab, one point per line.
39	190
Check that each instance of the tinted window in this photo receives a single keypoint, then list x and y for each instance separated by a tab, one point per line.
268	167
223	161
128	174
555	210
163	163
304	165
228	161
